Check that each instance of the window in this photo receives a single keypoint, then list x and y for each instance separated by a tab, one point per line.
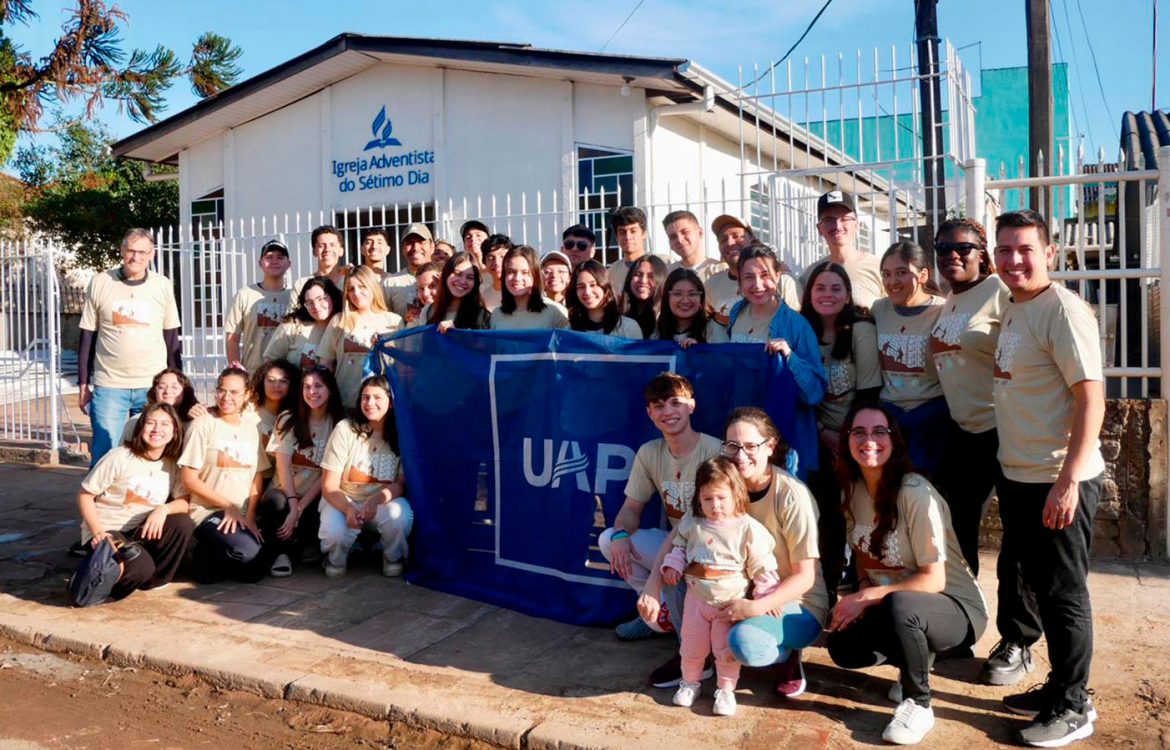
207	259
761	210
394	219
605	181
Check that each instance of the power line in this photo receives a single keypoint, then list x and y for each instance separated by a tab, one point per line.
1096	69
771	67
621	26
1088	123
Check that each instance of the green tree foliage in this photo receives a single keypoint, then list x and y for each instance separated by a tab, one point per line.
82	196
89	63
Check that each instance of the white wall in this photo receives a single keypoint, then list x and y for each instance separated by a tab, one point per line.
276	159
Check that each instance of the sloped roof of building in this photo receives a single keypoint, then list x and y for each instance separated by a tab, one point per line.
1143	133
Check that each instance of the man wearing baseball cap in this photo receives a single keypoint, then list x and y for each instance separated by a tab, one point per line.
258	309
555	270
579	243
418	245
473	233
837	224
733	234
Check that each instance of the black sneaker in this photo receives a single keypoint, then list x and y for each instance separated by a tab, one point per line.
1034	701
1007	664
670	674
1056	728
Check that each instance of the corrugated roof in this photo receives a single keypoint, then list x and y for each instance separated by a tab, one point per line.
1144	133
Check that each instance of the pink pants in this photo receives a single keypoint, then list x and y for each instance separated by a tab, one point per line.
702	633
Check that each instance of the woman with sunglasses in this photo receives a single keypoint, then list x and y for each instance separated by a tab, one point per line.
963	345
917	597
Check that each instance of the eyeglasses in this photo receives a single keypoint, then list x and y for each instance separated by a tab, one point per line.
732	448
860	434
675	294
963	249
581	245
829	221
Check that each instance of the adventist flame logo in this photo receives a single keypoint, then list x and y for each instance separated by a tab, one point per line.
382	128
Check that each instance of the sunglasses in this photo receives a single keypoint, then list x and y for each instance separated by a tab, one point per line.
963	249
580	245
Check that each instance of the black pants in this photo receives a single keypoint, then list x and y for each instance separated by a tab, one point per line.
1053	566
160	559
904	629
271	512
830	521
969	471
220	555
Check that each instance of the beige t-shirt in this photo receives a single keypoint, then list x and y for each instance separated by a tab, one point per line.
706	268
723	557
716	334
365	462
227	458
255	314
922	535
306	462
789	513
749	329
400	289
908	375
348	350
126	488
1046	345
865	276
673	479
337	277
297	343
963	344
492	297
627	328
723	292
846	377
129	320
552	316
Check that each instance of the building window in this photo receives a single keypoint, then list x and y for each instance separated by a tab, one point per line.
605	181
393	219
761	209
207	259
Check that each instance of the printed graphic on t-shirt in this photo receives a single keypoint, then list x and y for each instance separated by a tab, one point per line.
234	454
359	342
841	379
132	313
310	457
947	332
676	497
721	309
414	311
309	356
890	558
1005	352
902	352
376	468
152	489
269	313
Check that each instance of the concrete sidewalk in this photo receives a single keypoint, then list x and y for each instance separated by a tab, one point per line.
389	650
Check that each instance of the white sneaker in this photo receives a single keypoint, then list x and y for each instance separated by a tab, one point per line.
391	569
334	571
686	694
724	702
281	567
910	724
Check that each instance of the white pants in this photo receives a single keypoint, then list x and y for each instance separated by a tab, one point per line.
646	542
392	522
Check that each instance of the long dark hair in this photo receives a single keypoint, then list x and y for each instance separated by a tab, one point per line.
136	443
644	311
578	315
301	313
912	254
361	424
187	401
468	316
536	297
294	385
667	323
849	315
297	418
894	471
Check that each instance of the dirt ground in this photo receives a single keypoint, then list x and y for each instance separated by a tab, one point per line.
52	701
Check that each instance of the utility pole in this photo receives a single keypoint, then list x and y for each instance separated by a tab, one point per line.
1154	64
930	107
1039	96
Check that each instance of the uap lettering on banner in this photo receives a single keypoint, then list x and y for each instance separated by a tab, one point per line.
612	465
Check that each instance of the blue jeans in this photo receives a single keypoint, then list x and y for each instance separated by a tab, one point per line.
108	411
760	641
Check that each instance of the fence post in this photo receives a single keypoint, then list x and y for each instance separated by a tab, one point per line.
975	172
53	312
1164	312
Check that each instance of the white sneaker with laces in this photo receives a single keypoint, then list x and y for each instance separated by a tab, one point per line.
686	694
392	568
724	702
910	724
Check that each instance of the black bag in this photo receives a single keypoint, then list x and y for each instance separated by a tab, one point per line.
95	577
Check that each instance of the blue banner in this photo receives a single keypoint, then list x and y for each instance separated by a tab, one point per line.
517	447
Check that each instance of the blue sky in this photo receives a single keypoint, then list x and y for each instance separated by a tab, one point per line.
720	36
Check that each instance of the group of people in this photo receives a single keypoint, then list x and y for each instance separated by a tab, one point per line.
911	406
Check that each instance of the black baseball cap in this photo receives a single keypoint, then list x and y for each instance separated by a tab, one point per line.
274	246
473	224
579	230
835	198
